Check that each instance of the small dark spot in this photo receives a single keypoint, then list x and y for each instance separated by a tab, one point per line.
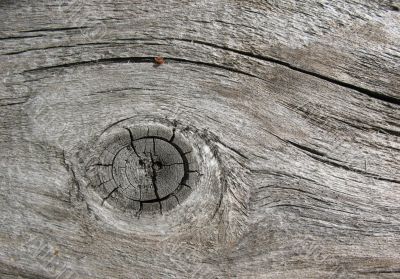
394	8
158	166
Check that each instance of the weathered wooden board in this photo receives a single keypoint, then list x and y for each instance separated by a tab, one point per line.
293	107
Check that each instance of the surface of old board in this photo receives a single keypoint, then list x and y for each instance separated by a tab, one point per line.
291	109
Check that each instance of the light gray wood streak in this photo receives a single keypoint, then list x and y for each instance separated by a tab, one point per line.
294	106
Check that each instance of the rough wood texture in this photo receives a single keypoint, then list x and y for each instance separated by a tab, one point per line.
293	107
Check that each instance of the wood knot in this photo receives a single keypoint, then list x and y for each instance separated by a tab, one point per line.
144	169
151	176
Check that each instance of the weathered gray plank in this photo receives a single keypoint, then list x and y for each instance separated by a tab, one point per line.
291	106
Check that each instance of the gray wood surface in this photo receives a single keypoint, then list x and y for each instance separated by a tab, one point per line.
292	108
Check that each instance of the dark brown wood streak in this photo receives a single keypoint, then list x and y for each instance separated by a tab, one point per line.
280	124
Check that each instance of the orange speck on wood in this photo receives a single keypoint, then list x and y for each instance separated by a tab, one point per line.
159	60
